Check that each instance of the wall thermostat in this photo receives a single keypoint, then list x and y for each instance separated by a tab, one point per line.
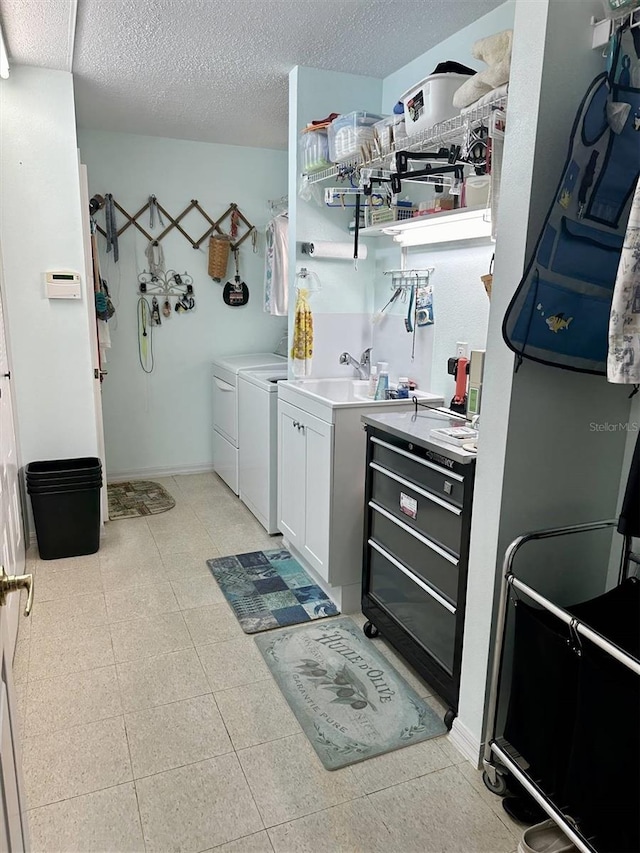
62	285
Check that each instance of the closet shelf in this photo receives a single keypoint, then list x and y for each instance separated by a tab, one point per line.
453	130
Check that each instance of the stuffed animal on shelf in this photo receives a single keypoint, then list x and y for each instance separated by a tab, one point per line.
495	50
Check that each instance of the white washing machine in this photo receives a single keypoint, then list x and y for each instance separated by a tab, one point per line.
225	409
258	431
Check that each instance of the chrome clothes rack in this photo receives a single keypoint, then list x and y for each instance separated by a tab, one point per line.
406	278
497	760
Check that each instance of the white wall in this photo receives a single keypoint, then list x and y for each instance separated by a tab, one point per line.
40	229
461	311
342	309
164	420
539	464
457	47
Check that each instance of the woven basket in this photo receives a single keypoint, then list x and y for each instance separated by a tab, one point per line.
219	248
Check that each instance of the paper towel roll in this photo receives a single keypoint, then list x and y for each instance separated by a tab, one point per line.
340	251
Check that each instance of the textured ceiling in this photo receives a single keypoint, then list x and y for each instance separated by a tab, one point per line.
39	32
216	70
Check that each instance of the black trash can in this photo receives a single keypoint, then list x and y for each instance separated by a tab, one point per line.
65	496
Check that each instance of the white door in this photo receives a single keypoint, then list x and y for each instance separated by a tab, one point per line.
291	474
13	822
13	832
317	504
96	367
12	547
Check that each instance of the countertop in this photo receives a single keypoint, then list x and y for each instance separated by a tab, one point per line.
417	427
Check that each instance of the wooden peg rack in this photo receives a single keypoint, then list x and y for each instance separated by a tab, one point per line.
215	225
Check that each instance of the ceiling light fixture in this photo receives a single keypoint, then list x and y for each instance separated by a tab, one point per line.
4	58
447	227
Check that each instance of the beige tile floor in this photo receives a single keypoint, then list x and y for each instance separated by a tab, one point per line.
151	723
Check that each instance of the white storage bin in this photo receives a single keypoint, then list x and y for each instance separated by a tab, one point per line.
348	133
476	190
314	150
392	133
431	101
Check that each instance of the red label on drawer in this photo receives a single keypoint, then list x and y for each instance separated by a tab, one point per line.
408	505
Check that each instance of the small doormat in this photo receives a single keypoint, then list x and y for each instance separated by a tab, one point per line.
137	497
269	589
347	697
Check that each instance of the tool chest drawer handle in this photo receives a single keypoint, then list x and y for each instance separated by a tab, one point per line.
447	556
443	601
401	452
436	500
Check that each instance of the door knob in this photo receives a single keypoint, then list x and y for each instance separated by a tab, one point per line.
13	583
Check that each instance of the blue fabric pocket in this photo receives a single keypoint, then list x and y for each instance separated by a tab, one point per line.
557	320
546	246
586	254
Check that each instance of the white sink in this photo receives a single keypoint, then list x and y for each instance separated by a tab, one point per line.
339	393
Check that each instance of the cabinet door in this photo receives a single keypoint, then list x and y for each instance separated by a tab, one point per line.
318	477
291	474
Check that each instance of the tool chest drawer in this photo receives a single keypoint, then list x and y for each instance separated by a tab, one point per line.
427	560
416	465
417	507
413	605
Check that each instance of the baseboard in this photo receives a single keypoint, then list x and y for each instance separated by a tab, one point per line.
465	742
150	473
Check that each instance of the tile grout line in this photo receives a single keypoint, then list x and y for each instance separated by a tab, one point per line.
78	796
244	775
133	780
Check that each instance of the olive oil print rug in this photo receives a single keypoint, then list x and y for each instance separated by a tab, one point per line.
269	589
347	697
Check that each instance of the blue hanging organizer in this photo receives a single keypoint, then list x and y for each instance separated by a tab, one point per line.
559	314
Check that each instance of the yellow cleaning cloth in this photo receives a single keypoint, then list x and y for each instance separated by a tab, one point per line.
302	349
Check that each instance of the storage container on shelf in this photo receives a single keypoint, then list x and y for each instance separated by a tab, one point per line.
348	133
392	133
314	149
430	101
399	212
476	190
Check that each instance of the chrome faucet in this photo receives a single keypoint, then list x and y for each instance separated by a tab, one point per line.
363	366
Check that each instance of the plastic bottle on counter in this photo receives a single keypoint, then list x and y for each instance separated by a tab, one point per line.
403	388
373	381
383	380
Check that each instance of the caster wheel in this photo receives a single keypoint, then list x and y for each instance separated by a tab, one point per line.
449	717
498	787
370	630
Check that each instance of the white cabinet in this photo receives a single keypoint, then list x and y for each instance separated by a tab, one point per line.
322	452
305	453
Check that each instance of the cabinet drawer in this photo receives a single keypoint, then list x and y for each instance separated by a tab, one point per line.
413	605
422	560
447	484
418	507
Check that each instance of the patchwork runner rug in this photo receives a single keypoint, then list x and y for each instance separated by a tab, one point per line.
137	497
347	697
269	589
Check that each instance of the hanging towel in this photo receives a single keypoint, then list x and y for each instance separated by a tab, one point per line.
104	339
111	227
276	273
623	362
302	349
